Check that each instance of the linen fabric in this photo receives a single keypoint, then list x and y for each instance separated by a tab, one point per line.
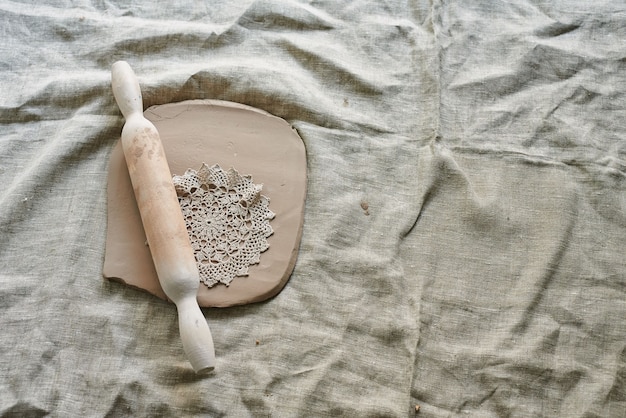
463	245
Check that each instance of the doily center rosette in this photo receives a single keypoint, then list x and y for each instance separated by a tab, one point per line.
226	134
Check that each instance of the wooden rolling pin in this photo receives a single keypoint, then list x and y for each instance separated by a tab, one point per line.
162	218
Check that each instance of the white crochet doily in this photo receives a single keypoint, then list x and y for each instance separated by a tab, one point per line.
227	219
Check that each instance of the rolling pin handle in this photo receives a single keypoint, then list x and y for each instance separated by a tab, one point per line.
126	89
196	336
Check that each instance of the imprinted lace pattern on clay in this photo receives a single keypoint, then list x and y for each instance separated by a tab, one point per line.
227	219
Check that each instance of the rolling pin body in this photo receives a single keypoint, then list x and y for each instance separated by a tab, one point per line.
162	218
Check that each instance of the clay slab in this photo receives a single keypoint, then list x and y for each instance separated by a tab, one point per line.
231	135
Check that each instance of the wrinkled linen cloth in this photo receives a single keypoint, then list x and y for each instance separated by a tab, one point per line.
463	245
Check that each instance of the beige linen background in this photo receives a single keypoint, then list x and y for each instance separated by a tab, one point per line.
486	278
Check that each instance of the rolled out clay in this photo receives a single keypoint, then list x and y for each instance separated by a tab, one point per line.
232	135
